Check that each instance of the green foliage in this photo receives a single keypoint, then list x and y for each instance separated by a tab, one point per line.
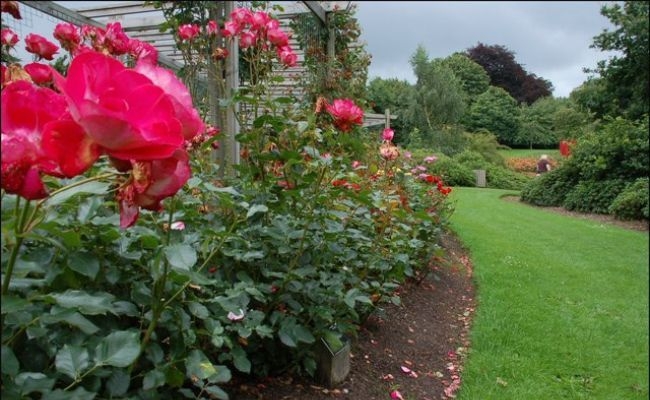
439	98
503	178
341	76
551	188
473	78
536	124
619	149
632	202
494	111
593	196
453	172
394	95
487	146
602	164
626	77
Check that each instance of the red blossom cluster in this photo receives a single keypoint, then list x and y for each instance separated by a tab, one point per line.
140	118
434	179
344	183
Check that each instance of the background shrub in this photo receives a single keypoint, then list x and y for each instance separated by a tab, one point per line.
632	202
593	196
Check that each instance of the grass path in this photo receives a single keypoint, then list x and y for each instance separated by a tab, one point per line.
562	303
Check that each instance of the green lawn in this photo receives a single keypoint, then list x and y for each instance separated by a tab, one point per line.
525	153
562	303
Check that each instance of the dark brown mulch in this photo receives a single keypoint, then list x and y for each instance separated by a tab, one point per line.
416	348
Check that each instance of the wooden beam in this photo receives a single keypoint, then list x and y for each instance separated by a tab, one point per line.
317	9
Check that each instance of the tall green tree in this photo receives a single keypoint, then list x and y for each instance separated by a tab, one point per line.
627	76
536	123
438	99
473	78
495	111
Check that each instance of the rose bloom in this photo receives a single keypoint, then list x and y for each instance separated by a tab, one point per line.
287	56
150	183
345	114
388	151
40	73
430	159
188	31
144	52
37	44
212	28
8	37
68	35
388	134
121	109
38	136
247	39
11	7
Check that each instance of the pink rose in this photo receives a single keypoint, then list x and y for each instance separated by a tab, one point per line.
345	114
188	31
187	115
115	40
247	39
143	52
212	28
278	37
39	137
122	110
387	134
150	183
259	20
68	35
8	37
37	44
40	73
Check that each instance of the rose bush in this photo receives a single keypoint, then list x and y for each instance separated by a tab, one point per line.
218	277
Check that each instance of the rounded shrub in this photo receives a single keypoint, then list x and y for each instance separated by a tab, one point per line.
632	202
503	178
550	189
593	196
453	172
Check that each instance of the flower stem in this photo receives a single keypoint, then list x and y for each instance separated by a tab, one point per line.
20	225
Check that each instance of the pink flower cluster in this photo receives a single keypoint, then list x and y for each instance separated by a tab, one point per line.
259	29
139	117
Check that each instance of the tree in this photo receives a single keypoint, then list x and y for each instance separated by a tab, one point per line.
439	98
536	123
627	76
473	78
495	111
395	95
506	73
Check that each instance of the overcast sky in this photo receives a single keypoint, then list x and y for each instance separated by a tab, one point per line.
549	39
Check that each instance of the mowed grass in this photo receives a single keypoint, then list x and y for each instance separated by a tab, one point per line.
562	303
526	153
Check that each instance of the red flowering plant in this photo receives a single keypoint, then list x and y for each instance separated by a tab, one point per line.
84	151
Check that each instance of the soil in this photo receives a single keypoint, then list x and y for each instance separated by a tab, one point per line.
417	348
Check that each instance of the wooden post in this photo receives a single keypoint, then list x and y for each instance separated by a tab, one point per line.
224	118
387	119
232	84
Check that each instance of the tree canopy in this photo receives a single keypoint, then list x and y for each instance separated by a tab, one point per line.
506	73
626	77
